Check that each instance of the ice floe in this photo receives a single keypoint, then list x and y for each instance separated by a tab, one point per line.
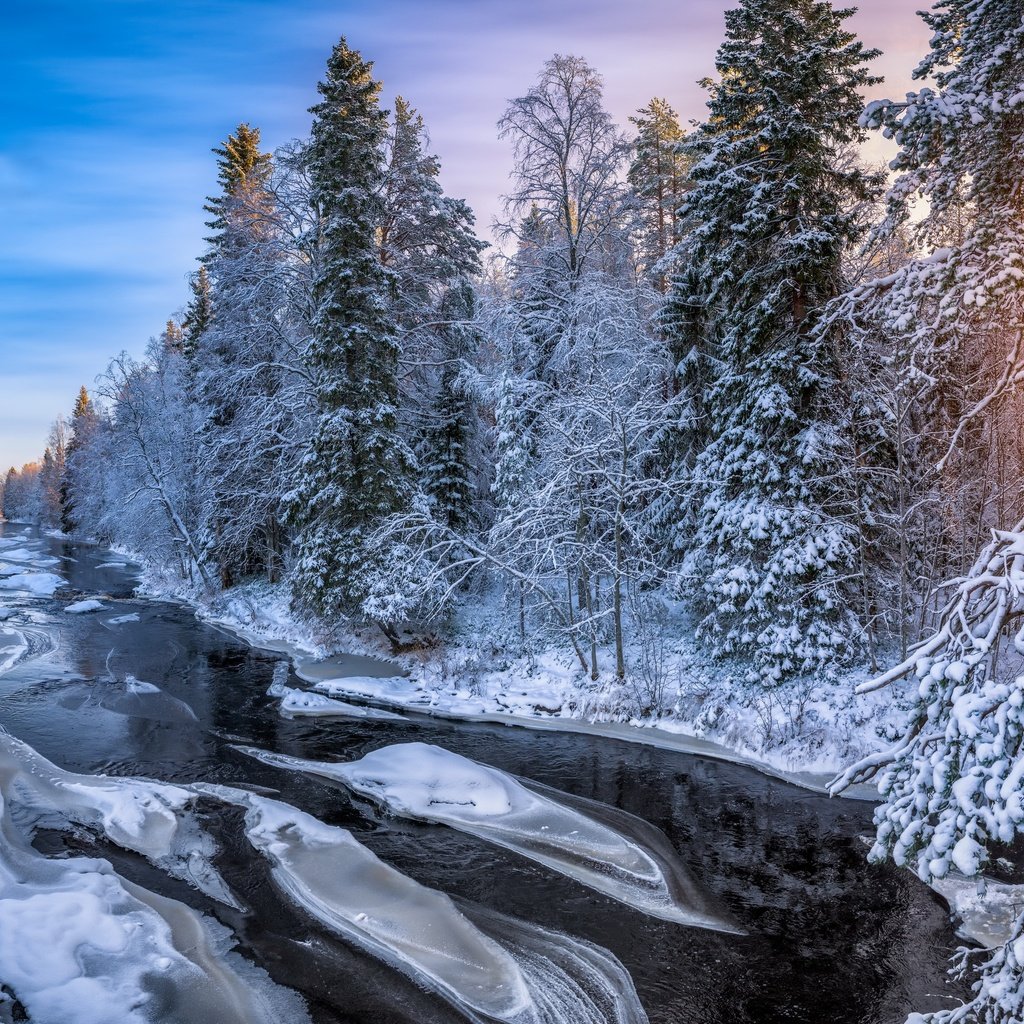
302	703
81	945
41	584
13	647
130	697
25	554
422	933
428	783
151	818
83	607
120	620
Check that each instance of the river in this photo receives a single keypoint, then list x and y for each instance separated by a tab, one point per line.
829	938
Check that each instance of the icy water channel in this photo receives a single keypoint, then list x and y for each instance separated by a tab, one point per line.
828	938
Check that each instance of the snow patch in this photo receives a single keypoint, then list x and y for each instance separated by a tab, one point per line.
302	703
120	620
84	607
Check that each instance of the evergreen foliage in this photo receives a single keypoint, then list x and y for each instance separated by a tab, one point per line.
772	208
358	468
199	313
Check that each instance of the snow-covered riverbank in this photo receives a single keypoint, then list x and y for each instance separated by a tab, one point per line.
802	732
432	684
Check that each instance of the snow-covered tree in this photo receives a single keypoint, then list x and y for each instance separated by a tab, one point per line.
952	785
135	481
249	353
772	206
22	494
452	458
357	470
83	423
51	474
428	245
199	312
568	158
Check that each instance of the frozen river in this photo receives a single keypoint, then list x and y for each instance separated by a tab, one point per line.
140	688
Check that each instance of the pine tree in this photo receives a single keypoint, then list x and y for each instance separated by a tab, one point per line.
773	209
358	468
659	175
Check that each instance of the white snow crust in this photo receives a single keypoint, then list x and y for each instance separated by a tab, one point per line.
302	703
39	584
80	945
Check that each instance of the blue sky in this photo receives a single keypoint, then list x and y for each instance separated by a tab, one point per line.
111	108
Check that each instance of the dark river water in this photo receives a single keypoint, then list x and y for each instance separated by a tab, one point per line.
830	938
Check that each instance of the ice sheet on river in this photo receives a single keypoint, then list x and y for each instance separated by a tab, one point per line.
26	554
13	645
81	945
422	933
302	703
130	697
634	864
153	819
40	584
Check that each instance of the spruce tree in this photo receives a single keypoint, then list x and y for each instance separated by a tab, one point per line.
453	440
241	328
173	338
774	212
243	171
358	468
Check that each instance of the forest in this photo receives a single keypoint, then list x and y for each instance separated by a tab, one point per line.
720	388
